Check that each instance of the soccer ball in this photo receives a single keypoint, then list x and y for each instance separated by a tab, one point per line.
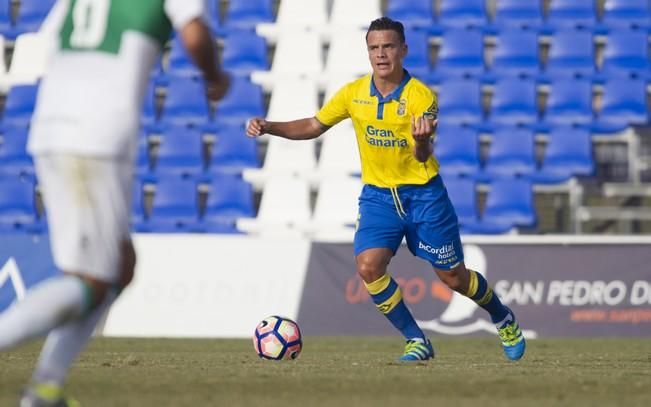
277	338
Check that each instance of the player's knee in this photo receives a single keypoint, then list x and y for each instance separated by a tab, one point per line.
455	280
369	271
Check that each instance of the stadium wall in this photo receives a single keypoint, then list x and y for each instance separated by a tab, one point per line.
221	286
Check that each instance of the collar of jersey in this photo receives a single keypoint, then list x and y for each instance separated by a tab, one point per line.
395	95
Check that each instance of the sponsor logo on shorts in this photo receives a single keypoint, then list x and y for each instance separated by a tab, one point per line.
445	254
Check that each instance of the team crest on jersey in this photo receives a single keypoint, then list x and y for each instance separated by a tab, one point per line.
402	107
432	111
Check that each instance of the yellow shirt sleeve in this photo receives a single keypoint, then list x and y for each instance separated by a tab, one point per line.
336	109
426	104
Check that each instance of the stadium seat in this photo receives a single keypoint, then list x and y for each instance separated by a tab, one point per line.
248	13
232	151
565	14
357	14
463	194
6	22
571	54
514	102
31	14
19	105
174	206
516	53
461	54
244	52
509	203
298	53
138	213
417	60
511	153
460	101
180	63
627	14
229	196
339	152
149	114
412	13
14	159
17	209
348	54
180	152
293	98
569	102
626	54
213	15
242	101
518	13
143	156
457	150
284	208
28	62
623	105
568	153
462	13
336	208
301	13
185	102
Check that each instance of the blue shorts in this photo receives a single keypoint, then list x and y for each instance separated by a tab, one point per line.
421	213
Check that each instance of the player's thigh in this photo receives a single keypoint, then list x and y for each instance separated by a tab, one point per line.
378	226
88	202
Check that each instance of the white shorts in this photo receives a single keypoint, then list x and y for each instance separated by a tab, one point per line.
88	205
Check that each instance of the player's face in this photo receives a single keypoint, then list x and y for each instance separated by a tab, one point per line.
386	52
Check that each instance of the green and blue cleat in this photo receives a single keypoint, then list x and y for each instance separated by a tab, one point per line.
416	350
511	336
46	395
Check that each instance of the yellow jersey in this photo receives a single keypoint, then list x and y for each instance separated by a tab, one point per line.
383	129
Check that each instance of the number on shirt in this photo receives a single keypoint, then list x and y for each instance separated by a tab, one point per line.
89	22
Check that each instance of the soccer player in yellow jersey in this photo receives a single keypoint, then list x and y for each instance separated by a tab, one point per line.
395	117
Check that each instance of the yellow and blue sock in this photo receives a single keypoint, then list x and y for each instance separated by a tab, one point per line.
481	293
387	296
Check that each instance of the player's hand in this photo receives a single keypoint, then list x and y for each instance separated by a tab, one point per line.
422	128
255	127
217	88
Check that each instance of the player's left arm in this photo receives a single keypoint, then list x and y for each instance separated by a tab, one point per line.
423	125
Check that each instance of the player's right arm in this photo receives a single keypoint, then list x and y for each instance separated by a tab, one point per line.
302	129
188	19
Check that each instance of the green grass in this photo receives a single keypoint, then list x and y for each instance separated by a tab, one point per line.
346	372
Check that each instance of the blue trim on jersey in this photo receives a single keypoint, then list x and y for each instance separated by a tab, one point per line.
395	95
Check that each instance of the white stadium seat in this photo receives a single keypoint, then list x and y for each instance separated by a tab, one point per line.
302	13
355	13
31	53
348	55
293	99
335	212
339	152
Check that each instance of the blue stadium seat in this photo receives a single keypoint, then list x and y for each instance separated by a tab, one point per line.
412	13
627	13
143	156
572	14
6	23
461	54
457	150
516	53
518	13
186	102
626	54
180	63
248	13
568	153
244	52
229	197
417	60
233	151
17	209
462	13
175	206
242	101
513	103
571	54
509	203
463	194
31	14
460	101
511	153
138	213
623	105
180	152
19	105
14	159
214	18
569	103
149	114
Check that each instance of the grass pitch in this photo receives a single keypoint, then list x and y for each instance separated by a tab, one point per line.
346	372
